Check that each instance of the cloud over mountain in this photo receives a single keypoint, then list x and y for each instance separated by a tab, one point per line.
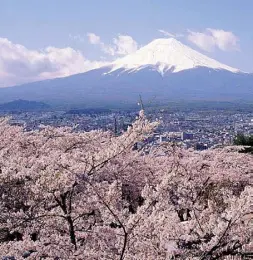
212	39
122	44
19	64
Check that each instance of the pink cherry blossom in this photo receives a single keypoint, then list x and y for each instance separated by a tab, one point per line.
68	195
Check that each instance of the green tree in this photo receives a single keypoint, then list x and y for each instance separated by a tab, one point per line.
244	140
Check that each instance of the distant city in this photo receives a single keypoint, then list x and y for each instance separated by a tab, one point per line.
199	130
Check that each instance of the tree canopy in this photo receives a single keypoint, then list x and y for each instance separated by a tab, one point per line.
244	140
69	195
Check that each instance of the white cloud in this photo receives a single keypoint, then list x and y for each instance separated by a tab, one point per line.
125	44
214	38
19	64
122	44
93	38
165	33
202	40
225	40
107	49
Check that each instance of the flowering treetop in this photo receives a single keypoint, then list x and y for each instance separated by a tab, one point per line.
68	195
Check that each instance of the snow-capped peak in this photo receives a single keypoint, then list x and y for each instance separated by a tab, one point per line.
167	54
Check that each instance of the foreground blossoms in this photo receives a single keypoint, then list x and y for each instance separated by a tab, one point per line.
68	195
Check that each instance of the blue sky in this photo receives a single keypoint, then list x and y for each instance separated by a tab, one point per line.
221	29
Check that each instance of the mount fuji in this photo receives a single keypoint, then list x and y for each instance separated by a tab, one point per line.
167	55
164	69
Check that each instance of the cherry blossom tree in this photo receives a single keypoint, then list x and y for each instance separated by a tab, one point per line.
91	195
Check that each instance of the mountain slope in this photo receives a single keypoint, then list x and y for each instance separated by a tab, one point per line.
165	69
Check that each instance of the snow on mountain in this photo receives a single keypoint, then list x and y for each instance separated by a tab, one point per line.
167	55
